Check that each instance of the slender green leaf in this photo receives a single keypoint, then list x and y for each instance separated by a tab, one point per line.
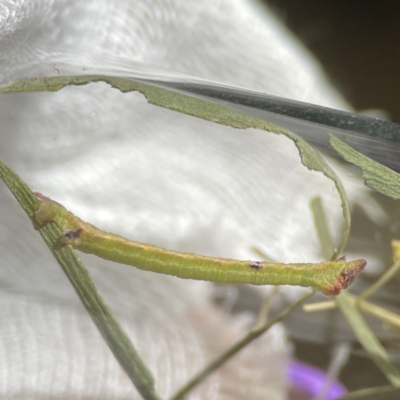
376	176
109	327
387	275
376	393
367	339
198	108
321	226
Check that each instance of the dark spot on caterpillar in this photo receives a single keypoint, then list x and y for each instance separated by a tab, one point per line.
255	264
71	237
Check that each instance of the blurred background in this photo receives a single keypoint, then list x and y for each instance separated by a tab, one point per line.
357	42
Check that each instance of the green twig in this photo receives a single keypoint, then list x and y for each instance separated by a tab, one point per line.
320	306
253	334
383	279
372	309
109	327
379	312
367	339
262	317
321	226
370	393
261	254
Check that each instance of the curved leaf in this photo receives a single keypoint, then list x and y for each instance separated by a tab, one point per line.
196	107
376	176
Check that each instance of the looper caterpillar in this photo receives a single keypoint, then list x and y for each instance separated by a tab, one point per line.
329	277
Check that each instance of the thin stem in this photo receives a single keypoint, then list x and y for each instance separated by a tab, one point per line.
340	356
370	393
253	334
102	316
379	312
321	226
261	254
320	306
383	279
367	339
262	317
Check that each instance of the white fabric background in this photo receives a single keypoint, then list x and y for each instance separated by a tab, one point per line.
152	175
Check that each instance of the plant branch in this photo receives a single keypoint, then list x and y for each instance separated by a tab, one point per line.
253	334
102	316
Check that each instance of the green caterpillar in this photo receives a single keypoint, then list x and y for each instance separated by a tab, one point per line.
329	277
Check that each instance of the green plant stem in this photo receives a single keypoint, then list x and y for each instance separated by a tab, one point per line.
370	393
367	339
261	254
262	317
379	312
320	306
372	309
224	357
348	305
109	327
321	226
383	279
